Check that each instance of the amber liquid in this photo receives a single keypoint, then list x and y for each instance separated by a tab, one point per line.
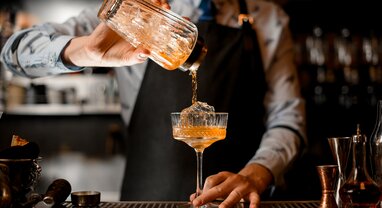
199	137
194	86
361	194
142	27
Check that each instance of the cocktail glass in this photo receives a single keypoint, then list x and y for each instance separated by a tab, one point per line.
199	130
340	147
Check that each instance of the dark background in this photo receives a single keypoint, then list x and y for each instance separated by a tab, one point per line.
359	16
329	119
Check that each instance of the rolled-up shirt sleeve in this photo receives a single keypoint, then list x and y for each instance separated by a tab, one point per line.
285	138
36	52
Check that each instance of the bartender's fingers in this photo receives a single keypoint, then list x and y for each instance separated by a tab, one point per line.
238	194
162	3
234	197
216	179
233	188
254	200
141	55
217	186
212	181
187	18
122	53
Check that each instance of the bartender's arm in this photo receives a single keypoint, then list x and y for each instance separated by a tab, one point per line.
81	41
280	145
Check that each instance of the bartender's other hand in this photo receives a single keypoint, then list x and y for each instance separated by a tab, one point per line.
248	184
103	48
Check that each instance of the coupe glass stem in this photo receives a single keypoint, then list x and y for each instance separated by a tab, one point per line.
199	172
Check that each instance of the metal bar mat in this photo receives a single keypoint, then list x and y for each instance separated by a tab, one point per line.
264	204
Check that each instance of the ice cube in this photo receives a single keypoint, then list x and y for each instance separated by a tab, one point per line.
198	114
198	107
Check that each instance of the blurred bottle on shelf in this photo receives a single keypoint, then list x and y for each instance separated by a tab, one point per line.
346	52
316	59
370	69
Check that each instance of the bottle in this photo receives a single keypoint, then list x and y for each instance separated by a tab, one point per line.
359	190
172	40
376	147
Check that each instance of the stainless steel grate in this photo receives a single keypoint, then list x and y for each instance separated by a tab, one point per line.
290	204
264	204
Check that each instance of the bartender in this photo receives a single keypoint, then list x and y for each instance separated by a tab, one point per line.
248	72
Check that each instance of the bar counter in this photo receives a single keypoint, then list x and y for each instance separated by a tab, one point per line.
153	204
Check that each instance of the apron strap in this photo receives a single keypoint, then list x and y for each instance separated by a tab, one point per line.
244	18
246	22
243	7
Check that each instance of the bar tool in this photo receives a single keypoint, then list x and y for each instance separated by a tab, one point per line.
328	178
56	193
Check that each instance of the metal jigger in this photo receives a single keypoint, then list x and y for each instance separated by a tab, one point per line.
328	177
340	147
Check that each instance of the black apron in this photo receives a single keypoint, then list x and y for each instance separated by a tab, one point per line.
231	79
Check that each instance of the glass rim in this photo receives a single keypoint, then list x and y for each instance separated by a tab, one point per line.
340	137
20	159
217	113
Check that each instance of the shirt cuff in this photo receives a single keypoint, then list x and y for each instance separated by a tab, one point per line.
60	43
277	152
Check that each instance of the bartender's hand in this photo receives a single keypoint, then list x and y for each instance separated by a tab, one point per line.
248	184
104	48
